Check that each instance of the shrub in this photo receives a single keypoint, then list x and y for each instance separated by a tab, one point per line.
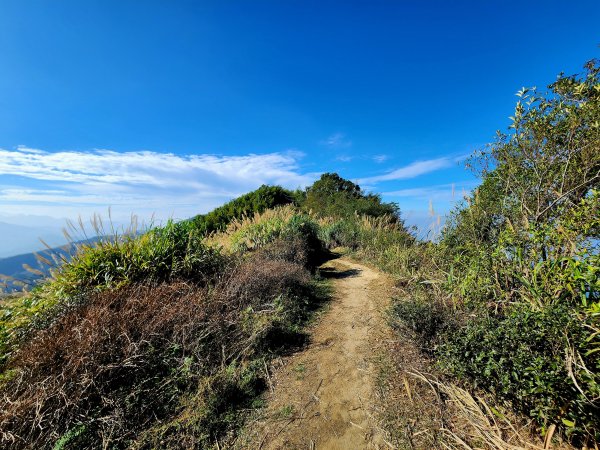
128	343
430	322
283	223
522	252
166	253
175	251
340	233
528	358
265	197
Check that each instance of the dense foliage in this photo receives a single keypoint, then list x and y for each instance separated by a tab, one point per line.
510	297
333	196
263	198
524	253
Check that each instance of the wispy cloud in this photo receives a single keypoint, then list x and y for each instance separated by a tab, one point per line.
440	192
148	168
337	140
412	170
376	158
145	181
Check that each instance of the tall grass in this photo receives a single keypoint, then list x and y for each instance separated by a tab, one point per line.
382	241
285	223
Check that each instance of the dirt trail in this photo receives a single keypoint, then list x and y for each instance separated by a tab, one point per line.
322	397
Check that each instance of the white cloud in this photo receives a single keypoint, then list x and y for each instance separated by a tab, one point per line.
413	170
441	192
380	158
67	182
147	168
337	140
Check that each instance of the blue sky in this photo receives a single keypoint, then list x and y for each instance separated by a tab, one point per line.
173	107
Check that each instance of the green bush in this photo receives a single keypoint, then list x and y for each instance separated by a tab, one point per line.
265	197
430	322
528	358
341	233
173	251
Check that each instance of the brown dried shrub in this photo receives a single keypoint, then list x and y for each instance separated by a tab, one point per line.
127	360
92	358
261	278
294	250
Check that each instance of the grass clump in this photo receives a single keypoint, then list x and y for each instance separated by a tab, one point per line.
258	201
282	224
165	253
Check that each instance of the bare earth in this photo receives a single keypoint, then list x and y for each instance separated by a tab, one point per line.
321	397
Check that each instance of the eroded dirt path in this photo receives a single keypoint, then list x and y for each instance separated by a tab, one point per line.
322	397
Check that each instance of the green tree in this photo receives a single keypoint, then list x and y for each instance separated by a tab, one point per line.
523	253
334	196
551	158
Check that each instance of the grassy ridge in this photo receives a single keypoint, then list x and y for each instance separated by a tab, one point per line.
157	340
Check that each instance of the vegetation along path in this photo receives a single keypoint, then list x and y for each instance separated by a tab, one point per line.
321	397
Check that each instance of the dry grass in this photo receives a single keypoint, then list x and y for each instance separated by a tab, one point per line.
409	410
79	367
106	372
421	410
261	278
475	423
269	220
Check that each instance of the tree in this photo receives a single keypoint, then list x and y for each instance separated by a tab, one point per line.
551	159
334	196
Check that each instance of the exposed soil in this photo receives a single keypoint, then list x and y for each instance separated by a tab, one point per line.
322	397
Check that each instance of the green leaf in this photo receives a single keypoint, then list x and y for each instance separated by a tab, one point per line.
568	423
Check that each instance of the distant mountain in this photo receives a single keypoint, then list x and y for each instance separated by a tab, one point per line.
19	239
13	266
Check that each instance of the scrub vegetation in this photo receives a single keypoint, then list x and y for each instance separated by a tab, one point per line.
162	339
508	299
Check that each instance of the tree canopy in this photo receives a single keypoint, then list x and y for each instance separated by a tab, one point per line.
334	196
